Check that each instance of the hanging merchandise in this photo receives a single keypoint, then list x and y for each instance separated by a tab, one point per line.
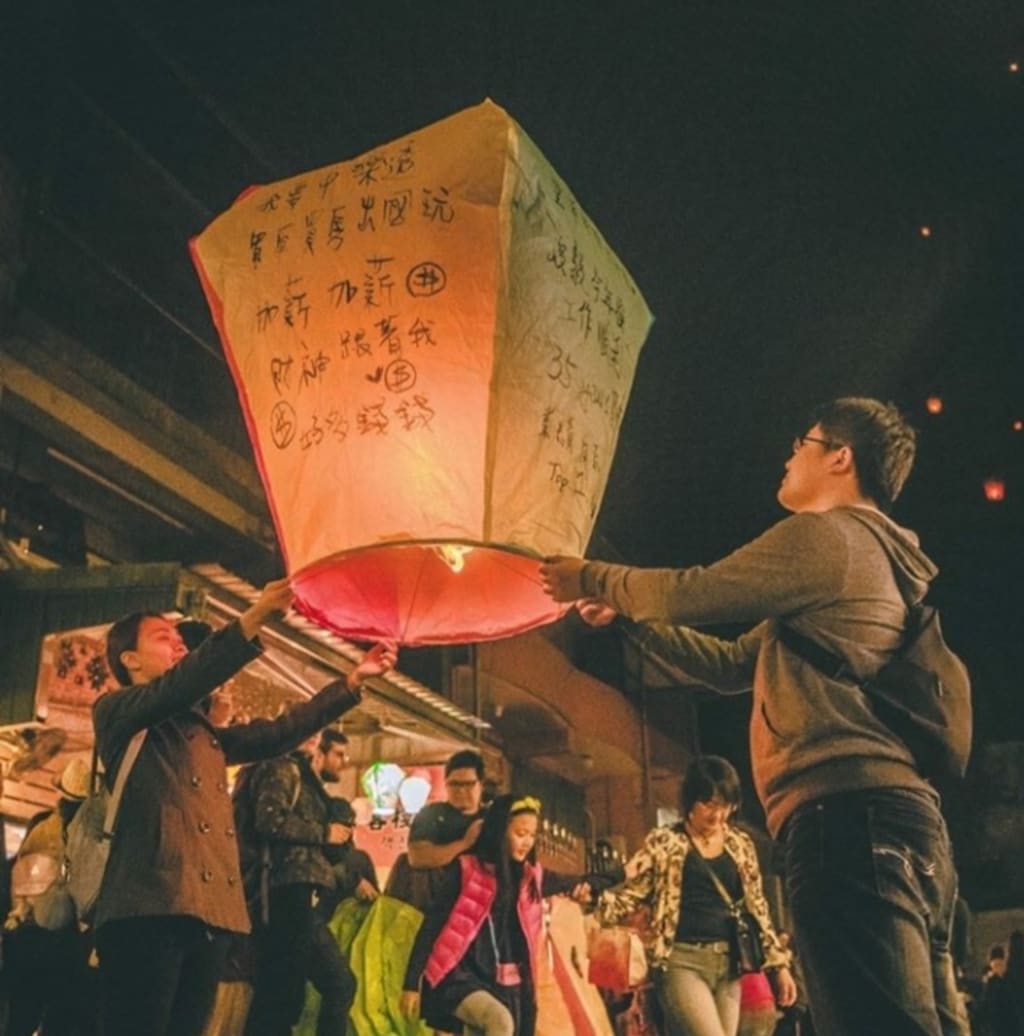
433	347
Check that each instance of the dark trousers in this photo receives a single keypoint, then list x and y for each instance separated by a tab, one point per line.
871	886
158	975
49	982
294	947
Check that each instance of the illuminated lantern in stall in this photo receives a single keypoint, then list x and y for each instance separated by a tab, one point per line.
413	793
433	347
381	782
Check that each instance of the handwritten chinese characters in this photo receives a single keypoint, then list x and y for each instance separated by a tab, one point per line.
438	314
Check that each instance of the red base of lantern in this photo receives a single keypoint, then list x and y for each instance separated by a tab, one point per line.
423	594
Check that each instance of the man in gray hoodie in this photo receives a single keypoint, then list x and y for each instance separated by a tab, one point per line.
869	869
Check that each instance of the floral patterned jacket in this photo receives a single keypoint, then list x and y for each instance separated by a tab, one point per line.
656	881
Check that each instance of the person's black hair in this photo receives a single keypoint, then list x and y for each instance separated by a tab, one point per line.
331	736
491	846
466	759
709	777
124	636
882	441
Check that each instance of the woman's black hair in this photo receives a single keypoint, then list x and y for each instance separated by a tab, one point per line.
491	846
710	777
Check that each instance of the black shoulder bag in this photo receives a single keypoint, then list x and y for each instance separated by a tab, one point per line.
922	694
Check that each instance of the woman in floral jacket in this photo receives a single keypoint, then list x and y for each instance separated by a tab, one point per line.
688	947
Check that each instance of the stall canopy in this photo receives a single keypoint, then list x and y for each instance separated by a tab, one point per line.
433	346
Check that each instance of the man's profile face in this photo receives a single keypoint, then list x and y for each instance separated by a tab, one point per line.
158	648
333	761
806	471
464	790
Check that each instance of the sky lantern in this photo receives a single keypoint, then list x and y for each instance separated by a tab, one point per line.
433	347
994	489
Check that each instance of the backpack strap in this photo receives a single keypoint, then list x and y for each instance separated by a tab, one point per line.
131	753
828	662
810	651
734	905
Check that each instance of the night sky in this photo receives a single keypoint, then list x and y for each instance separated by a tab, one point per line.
763	170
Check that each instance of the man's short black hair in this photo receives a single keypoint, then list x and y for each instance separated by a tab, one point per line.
882	441
466	759
331	736
124	636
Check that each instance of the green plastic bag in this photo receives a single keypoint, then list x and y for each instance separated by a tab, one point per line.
346	922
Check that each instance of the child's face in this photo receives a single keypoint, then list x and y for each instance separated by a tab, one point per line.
520	835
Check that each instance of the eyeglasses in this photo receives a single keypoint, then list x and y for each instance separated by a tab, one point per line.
462	785
827	443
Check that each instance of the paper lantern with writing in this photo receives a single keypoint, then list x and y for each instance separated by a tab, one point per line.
433	347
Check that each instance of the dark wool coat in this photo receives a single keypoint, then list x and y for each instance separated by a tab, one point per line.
174	850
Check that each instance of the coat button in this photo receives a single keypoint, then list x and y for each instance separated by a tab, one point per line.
215	742
207	875
232	880
204	827
196	780
221	786
230	832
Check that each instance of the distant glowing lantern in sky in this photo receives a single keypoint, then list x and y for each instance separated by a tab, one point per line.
933	404
995	490
433	347
1018	425
925	231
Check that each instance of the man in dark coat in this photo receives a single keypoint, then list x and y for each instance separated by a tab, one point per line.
172	883
295	816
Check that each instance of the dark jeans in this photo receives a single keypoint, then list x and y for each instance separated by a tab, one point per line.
158	975
49	982
871	885
294	947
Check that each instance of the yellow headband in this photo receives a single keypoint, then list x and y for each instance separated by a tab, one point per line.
527	804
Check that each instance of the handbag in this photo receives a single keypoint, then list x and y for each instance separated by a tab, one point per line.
37	878
616	958
745	946
639	1014
90	833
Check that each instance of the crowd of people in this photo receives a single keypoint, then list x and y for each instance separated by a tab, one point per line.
870	882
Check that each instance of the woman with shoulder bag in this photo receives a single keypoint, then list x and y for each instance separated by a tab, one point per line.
698	878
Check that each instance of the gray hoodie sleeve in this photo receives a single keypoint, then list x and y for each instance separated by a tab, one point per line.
798	563
726	666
